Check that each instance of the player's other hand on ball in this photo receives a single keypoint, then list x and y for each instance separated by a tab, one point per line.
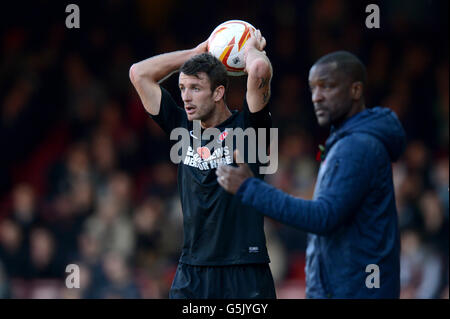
202	47
256	41
231	178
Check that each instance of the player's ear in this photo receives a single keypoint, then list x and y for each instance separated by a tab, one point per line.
357	90
219	93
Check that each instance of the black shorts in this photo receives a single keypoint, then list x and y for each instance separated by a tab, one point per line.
253	281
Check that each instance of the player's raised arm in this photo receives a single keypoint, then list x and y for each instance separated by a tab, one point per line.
259	70
146	75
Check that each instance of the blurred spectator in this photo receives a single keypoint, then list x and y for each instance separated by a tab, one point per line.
13	253
24	210
147	223
85	95
44	262
75	167
69	215
90	262
421	270
104	158
433	217
120	188
15	102
111	228
440	177
120	283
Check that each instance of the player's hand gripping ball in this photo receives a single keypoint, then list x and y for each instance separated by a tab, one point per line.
227	43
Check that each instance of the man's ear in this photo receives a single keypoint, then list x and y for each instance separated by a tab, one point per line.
219	93
357	90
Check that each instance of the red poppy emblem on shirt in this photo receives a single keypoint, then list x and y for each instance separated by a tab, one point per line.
203	152
223	136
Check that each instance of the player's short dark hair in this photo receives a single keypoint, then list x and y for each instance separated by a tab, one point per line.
206	62
347	63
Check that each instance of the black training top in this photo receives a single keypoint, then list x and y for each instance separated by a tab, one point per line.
218	228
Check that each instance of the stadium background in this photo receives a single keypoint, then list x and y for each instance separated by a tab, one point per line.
85	175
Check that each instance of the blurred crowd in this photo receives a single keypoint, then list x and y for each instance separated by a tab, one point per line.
85	174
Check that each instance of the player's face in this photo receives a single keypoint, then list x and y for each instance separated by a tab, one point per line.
330	92
197	96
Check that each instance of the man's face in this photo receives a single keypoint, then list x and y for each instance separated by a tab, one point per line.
197	96
330	92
